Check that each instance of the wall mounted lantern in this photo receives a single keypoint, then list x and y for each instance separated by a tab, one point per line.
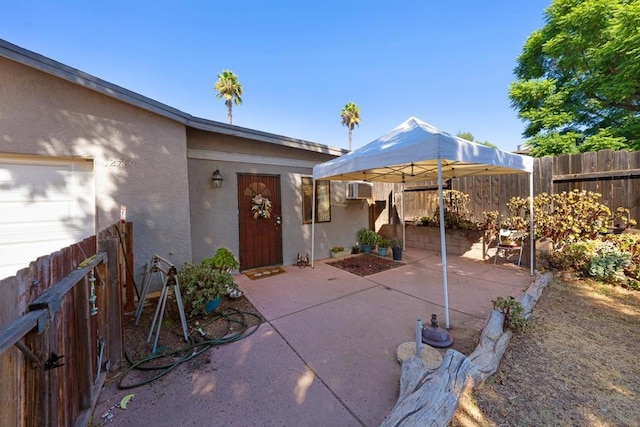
217	179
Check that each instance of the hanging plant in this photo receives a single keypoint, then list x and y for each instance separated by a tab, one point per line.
260	207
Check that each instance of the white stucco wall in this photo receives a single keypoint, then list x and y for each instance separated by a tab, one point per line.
139	157
214	212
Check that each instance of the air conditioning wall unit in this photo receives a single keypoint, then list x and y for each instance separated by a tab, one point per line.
359	190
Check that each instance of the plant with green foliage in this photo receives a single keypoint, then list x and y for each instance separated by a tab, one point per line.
229	88
608	262
396	243
350	116
456	212
206	281
513	313
572	257
367	237
577	87
224	260
630	243
383	242
569	217
469	137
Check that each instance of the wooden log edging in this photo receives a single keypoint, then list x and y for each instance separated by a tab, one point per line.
429	397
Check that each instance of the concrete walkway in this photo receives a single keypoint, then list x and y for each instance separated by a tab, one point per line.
326	356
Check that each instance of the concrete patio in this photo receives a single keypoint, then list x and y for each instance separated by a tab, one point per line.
326	355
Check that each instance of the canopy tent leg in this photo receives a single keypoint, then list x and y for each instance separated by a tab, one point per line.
443	246
313	222
531	225
404	225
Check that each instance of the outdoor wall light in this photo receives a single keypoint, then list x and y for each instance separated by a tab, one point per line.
217	179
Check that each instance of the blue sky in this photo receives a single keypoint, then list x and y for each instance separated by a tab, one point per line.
448	63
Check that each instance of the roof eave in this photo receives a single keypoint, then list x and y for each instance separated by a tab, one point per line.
73	75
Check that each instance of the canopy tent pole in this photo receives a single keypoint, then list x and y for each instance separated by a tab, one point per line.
531	225
443	245
313	222
404	225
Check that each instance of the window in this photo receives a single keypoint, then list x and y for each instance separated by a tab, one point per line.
323	200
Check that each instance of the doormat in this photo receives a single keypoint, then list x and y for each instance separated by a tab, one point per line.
262	272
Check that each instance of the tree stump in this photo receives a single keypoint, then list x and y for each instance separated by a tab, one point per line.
430	396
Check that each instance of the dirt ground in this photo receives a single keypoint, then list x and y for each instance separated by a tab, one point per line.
233	318
365	264
575	365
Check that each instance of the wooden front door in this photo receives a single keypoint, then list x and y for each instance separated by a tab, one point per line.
260	220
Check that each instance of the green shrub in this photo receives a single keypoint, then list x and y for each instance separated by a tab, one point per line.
572	257
206	281
222	260
608	262
569	217
383	242
457	215
513	313
367	237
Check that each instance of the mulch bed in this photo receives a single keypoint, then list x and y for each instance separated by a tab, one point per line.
365	264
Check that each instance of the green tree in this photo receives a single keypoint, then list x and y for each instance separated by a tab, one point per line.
350	118
229	88
578	86
469	137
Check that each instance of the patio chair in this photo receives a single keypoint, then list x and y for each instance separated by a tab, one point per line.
509	241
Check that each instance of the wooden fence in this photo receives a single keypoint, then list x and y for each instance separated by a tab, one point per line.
613	174
61	330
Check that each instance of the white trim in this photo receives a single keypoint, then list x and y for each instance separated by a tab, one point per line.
224	156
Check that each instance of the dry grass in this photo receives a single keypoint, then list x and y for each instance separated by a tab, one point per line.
577	364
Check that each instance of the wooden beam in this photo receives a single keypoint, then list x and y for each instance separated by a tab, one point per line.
14	331
50	298
591	176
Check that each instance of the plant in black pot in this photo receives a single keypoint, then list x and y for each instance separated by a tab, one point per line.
396	248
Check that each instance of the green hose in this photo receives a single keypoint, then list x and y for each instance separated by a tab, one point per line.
231	315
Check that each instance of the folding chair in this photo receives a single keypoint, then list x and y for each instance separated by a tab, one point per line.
509	241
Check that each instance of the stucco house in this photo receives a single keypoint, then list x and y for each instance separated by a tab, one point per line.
75	151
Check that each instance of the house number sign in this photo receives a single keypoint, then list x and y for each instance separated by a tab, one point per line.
119	163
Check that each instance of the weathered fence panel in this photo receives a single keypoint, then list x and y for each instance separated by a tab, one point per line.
52	329
614	175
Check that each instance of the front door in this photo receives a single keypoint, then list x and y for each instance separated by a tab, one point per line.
259	220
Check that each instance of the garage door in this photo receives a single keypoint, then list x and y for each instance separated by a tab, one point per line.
45	204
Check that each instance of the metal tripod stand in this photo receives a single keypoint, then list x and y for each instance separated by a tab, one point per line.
167	273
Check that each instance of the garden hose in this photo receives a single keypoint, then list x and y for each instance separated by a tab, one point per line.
193	349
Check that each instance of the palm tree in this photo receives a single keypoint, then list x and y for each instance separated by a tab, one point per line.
229	88
350	117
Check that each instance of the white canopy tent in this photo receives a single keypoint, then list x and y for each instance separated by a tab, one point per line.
417	151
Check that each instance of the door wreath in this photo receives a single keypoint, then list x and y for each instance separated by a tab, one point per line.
260	207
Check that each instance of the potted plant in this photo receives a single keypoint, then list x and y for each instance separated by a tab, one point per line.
383	245
396	248
226	262
368	238
355	249
202	285
339	252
